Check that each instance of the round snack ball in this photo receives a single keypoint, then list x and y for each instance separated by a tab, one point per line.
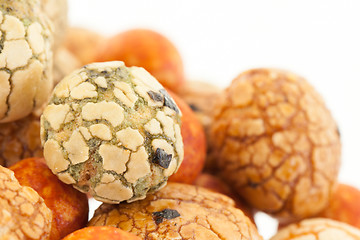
25	59
179	211
83	43
344	205
276	143
20	139
101	233
57	12
318	229
148	49
69	207
194	141
23	214
112	132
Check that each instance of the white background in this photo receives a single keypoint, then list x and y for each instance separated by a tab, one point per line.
319	40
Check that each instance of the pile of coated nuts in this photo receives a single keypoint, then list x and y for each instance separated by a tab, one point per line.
114	118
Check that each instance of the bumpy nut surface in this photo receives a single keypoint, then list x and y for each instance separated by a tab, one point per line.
69	207
112	131
276	143
318	229
23	213
20	139
179	211
57	12
25	59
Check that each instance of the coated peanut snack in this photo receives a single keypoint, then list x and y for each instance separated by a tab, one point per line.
276	143
112	131
69	207
25	58
318	229
179	211
20	139
23	214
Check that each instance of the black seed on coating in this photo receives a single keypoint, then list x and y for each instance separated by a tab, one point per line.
167	213
157	97
194	107
168	101
162	158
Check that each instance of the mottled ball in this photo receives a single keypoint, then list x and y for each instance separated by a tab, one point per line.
25	58
179	211
24	214
276	143
112	131
318	229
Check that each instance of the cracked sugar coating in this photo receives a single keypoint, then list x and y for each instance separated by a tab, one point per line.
179	211
318	229
23	214
25	58
277	143
112	131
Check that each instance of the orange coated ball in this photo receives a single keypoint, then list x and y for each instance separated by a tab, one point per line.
101	233
194	140
147	49
344	205
69	206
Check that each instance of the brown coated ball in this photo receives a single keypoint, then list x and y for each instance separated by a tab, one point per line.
276	142
179	211
19	140
23	213
318	229
69	207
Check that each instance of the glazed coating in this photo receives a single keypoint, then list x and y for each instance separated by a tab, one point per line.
194	140
20	139
25	59
69	207
276	143
112	131
179	211
101	233
318	229
23	214
344	205
148	49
